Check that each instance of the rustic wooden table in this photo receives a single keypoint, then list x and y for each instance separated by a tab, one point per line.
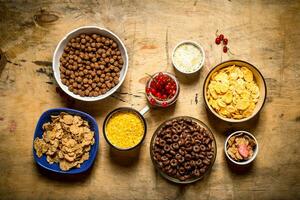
266	33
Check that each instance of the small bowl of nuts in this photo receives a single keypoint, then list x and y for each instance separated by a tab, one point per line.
90	63
241	147
162	89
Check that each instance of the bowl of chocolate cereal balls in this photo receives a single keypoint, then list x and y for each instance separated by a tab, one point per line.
183	149
90	63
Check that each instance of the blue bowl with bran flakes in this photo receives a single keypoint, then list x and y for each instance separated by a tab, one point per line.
46	117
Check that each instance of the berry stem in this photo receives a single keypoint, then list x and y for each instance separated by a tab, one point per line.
230	52
152	77
217	33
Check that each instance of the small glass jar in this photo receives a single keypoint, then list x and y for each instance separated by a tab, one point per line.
156	102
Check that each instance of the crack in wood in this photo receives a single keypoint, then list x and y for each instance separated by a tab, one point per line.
128	93
167	47
44	70
42	63
3	61
118	98
14	63
196	98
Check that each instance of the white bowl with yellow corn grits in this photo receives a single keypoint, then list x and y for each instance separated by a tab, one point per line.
124	128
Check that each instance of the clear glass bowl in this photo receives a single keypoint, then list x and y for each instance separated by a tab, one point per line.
173	179
158	102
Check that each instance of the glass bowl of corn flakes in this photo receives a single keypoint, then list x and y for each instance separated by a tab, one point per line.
124	128
234	91
241	148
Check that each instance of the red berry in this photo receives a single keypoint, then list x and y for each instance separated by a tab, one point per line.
225	49
164	96
225	41
158	86
148	90
168	86
221	37
158	95
153	91
159	80
152	84
164	104
218	41
152	101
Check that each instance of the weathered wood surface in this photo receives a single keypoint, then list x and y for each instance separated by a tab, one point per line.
266	33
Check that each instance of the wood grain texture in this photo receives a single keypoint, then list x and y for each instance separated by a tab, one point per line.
265	33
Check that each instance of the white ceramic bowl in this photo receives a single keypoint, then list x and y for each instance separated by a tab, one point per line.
60	49
243	162
200	65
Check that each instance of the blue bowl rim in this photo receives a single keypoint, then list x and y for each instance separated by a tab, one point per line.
71	111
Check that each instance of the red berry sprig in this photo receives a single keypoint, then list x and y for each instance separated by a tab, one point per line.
221	38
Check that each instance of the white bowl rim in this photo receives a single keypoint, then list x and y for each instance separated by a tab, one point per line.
100	97
247	161
200	65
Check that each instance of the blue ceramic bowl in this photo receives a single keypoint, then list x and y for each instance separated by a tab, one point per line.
46	117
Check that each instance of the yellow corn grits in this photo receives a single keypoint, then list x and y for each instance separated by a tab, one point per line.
125	129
